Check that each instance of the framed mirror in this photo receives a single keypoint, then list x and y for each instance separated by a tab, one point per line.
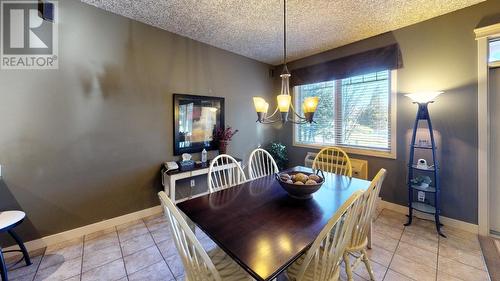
196	119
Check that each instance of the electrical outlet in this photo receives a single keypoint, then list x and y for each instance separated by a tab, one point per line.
421	196
193	183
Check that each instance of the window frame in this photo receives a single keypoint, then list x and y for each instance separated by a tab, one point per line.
392	154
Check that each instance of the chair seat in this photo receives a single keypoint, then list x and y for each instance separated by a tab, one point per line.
293	270
10	218
228	269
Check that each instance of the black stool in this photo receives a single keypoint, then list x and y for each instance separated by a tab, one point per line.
9	220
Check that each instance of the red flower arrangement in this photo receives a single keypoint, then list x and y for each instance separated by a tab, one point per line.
225	134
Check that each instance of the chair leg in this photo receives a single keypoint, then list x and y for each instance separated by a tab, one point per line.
347	264
3	267
19	242
367	264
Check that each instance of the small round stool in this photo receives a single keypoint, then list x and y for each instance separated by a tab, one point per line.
9	220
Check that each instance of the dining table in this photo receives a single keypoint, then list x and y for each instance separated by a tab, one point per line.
261	227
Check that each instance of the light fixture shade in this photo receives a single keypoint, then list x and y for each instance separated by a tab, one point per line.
310	104
260	104
424	97
284	103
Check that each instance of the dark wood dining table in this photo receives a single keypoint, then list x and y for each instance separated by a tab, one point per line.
261	227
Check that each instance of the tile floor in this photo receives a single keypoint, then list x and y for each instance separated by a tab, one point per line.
144	250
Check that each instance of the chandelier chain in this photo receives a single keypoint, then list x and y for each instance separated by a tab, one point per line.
284	32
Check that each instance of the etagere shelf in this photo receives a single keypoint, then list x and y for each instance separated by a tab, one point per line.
431	204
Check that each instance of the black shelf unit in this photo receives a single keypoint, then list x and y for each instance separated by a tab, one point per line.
430	206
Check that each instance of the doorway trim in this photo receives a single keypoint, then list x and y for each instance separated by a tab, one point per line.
483	36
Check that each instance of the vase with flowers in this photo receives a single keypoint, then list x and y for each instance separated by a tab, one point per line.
223	137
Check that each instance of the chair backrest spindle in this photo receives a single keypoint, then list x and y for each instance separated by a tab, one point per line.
333	160
261	164
224	172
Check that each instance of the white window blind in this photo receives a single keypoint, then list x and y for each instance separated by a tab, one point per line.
354	113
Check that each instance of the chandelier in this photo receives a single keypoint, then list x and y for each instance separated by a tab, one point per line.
284	99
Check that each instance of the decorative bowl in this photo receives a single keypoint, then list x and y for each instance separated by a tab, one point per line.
300	191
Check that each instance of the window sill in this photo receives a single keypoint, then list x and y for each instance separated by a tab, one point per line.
352	150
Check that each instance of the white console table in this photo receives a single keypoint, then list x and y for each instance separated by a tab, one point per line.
169	179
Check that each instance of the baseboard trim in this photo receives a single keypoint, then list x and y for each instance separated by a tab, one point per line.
474	228
38	244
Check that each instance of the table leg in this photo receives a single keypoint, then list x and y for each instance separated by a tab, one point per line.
172	190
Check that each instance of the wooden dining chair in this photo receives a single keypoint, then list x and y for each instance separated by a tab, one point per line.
323	259
261	163
199	265
224	172
359	240
333	160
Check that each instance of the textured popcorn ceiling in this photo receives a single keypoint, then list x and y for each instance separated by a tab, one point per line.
254	28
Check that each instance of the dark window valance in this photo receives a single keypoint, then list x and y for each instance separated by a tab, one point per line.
385	58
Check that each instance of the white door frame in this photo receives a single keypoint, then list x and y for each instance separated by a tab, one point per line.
483	36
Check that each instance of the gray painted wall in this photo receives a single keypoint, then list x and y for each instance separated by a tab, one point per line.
438	54
84	143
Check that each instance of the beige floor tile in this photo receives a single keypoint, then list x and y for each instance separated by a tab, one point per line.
378	270
74	278
28	277
161	234
142	259
388	230
423	232
62	252
343	276
419	241
20	269
167	248
110	271
417	254
461	243
208	244
61	271
102	241
136	244
460	270
382	241
380	255
100	257
392	218
156	272
175	265
200	234
446	277
459	234
99	234
466	256
157	223
412	269
395	276
424	223
130	230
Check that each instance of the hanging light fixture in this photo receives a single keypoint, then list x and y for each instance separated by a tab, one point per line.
284	99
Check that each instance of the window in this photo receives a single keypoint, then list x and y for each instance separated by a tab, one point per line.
494	51
354	113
